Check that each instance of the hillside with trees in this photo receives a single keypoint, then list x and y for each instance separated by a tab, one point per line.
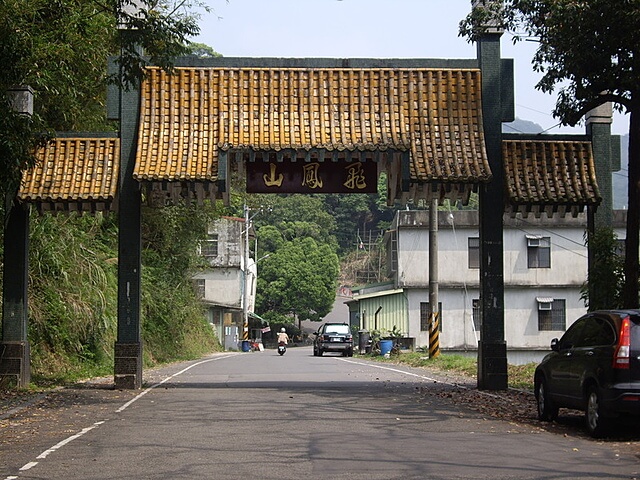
60	50
587	62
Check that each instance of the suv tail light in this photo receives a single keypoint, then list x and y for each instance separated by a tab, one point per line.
621	354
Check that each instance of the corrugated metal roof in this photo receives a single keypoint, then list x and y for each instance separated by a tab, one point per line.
76	173
190	117
549	175
382	293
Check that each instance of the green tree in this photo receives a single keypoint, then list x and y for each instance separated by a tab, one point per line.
603	288
590	52
172	320
269	240
202	50
297	216
352	213
60	49
297	281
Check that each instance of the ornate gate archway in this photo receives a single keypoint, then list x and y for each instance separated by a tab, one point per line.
433	126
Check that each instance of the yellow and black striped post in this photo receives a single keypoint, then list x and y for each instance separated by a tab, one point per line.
245	331
434	335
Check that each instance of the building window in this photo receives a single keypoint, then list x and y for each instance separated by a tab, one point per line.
425	312
198	284
474	252
476	314
393	254
551	314
209	247
538	251
424	317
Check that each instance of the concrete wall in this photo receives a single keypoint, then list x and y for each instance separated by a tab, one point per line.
224	280
230	245
568	253
223	286
459	284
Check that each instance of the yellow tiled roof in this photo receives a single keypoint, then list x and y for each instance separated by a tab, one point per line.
190	117
549	175
73	173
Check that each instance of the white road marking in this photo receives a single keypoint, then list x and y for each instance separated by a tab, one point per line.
396	370
61	444
58	445
142	394
424	377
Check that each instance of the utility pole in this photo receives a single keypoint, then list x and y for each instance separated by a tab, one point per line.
434	315
245	269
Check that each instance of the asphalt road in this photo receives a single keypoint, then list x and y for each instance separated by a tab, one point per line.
259	415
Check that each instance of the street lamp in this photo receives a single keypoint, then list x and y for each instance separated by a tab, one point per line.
263	257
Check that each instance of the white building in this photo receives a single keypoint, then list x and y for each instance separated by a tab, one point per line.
229	282
545	266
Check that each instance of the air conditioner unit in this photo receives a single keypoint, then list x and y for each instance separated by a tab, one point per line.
533	242
545	306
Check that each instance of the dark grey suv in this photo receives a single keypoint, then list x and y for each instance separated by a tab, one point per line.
333	337
594	367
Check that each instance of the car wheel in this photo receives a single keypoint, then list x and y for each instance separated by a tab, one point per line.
350	353
596	422
320	352
547	410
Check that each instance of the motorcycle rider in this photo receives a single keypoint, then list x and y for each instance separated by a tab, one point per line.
282	336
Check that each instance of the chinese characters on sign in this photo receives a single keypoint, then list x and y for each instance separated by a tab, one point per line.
312	177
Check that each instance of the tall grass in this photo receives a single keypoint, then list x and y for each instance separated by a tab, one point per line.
72	295
73	288
519	376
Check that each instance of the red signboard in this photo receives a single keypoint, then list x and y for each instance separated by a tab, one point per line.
312	177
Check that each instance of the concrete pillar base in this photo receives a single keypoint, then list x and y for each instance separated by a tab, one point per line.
15	366
492	366
128	366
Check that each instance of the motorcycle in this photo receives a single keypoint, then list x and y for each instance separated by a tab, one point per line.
282	347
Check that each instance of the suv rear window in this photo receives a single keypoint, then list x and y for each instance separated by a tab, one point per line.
341	329
596	331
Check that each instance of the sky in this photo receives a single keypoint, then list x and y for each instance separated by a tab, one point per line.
370	29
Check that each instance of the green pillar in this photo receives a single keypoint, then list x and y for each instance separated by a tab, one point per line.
14	349
128	347
492	348
606	157
15	355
